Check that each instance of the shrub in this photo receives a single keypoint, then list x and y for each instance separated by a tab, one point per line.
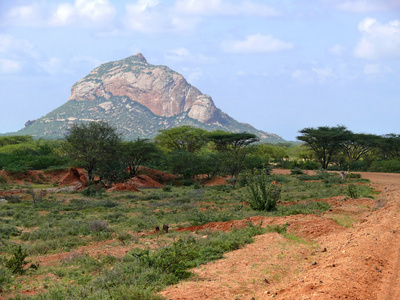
98	226
263	195
296	171
13	198
389	166
7	230
3	180
17	263
15	169
354	175
329	178
167	188
93	191
5	278
352	191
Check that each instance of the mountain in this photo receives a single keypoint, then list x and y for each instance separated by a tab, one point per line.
139	99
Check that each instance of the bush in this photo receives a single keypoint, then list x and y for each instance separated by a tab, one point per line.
167	188
388	166
98	226
354	175
296	171
5	278
15	169
3	180
7	230
263	195
93	191
17	263
352	191
13	198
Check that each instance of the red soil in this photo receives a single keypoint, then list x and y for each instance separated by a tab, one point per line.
333	262
322	261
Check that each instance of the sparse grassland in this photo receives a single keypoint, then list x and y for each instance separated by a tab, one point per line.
74	229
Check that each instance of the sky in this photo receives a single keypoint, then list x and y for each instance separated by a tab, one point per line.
279	65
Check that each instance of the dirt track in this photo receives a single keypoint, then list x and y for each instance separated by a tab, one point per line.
332	262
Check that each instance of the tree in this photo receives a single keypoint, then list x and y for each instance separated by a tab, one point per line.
231	142
358	145
276	152
184	163
325	141
134	154
15	139
233	147
93	144
182	138
389	146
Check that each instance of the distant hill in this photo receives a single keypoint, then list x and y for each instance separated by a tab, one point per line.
138	99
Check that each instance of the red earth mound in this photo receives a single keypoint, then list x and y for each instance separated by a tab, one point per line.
157	175
144	181
124	187
133	184
74	177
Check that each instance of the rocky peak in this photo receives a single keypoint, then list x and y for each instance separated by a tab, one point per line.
165	92
137	58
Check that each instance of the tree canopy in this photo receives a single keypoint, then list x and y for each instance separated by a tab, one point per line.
93	144
325	141
134	154
185	137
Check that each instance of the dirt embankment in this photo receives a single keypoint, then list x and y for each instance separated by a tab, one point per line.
329	262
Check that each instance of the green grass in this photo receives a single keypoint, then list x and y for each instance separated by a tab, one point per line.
61	222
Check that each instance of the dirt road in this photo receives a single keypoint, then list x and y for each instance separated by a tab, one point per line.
327	261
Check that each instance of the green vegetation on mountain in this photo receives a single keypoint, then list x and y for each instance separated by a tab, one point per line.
138	99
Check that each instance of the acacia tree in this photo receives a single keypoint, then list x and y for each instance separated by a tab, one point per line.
185	137
93	144
358	145
234	148
325	141
133	154
389	146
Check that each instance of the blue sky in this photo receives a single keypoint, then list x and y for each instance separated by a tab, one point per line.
279	65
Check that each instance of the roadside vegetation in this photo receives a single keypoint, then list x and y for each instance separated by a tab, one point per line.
63	222
35	223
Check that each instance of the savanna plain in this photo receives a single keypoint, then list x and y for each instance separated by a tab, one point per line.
328	238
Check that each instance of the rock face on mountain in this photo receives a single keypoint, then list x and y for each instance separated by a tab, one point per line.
139	99
165	92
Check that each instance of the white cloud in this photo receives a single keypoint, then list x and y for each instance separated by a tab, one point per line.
302	76
8	66
84	12
362	6
365	6
86	59
376	69
195	75
221	7
33	14
15	53
64	15
98	13
378	41
337	50
11	46
51	66
184	55
151	16
256	43
323	74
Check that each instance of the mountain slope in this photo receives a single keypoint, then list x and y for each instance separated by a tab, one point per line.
138	99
